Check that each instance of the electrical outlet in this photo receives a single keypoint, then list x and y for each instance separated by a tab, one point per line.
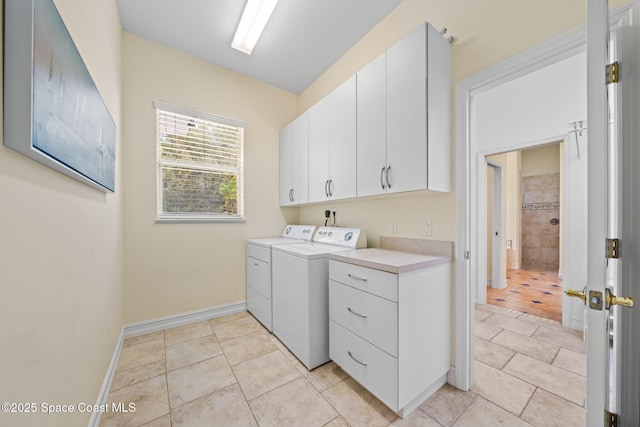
427	228
394	226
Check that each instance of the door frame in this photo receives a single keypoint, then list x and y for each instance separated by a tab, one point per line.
498	280
467	249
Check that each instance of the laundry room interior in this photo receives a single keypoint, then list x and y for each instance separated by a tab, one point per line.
283	240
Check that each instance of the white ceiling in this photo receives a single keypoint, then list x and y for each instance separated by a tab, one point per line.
302	39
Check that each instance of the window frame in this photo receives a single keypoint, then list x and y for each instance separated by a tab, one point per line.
163	217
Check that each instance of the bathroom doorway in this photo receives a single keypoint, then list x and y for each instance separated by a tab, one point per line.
524	238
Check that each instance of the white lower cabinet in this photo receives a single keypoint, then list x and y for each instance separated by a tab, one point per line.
391	332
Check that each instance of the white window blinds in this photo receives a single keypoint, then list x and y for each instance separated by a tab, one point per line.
199	164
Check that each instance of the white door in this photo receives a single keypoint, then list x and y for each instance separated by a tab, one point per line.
605	210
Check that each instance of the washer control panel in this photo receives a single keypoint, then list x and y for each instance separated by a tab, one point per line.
355	238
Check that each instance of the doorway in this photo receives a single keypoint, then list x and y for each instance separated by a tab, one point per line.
524	229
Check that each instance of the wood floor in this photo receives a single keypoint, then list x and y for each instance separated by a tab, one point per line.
535	292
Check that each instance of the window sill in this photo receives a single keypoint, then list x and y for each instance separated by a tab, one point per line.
198	220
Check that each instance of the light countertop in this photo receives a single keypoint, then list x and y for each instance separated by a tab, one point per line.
387	260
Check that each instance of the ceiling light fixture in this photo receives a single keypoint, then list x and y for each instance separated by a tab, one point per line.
254	18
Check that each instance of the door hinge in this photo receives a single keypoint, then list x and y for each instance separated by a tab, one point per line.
611	419
613	248
467	255
613	73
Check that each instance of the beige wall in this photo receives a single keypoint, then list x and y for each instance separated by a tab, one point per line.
176	268
61	285
541	160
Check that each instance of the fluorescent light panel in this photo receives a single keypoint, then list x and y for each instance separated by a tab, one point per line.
254	18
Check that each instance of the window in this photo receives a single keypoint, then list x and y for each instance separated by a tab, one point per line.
199	165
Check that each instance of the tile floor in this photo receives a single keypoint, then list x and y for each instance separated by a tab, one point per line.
536	292
231	372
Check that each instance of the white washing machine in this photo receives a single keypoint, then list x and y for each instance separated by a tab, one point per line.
300	291
259	301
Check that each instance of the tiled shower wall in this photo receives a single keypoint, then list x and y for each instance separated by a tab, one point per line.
540	238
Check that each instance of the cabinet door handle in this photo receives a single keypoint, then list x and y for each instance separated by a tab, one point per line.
330	187
381	177
358	361
293	194
364	279
326	188
388	181
256	264
355	313
290	196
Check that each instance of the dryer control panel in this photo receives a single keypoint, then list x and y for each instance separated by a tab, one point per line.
355	238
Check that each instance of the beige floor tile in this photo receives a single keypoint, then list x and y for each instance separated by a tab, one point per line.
511	324
446	404
149	397
492	354
294	404
225	407
482	314
194	381
527	345
247	347
482	413
486	331
237	328
229	318
548	410
141	354
500	310
571	361
502	389
567	338
540	321
264	373
127	377
357	406
323	376
164	421
189	352
416	418
143	338
551	378
282	347
187	332
337	422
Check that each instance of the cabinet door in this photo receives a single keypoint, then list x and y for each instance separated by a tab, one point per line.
371	124
342	143
319	135
300	156
286	165
407	112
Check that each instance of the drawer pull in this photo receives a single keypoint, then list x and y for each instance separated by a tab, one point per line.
364	279
355	313
256	264
359	361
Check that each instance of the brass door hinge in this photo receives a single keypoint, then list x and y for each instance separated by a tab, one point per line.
611	419
613	248
613	73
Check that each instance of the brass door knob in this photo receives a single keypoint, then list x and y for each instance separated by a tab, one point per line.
614	300
577	294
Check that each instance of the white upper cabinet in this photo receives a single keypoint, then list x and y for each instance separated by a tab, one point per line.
332	145
294	162
385	130
418	112
372	127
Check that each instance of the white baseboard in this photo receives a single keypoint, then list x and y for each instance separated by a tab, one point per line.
175	320
155	325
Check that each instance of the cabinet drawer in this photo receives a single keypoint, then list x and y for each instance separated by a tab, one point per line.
259	276
373	318
376	282
259	252
374	369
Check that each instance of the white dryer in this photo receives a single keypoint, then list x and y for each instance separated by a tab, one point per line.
300	291
259	301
